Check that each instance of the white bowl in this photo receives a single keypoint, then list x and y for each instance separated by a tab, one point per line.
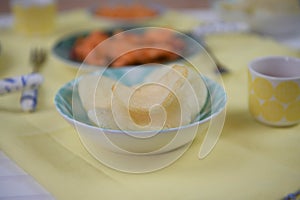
68	104
277	19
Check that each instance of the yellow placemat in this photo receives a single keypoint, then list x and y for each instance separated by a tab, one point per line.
250	161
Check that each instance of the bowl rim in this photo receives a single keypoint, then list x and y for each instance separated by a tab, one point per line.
117	131
281	60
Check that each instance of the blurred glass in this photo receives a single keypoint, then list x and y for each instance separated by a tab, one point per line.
272	17
34	17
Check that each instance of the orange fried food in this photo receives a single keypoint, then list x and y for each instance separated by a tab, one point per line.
83	46
150	46
133	11
143	56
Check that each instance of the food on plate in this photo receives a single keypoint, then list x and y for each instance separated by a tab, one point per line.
84	45
133	11
128	48
168	97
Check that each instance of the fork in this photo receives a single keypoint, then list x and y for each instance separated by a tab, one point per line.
218	27
220	67
29	97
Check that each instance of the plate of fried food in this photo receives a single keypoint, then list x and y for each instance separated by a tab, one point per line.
131	13
121	47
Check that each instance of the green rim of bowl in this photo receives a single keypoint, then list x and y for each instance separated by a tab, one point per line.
67	96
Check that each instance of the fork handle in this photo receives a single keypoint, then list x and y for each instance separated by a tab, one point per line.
13	84
29	100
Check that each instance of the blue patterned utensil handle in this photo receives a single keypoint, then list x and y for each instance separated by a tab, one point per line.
292	196
29	100
24	82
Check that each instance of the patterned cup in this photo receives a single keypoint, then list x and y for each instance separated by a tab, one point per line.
274	90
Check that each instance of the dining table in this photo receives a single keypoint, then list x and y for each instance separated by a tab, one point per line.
42	156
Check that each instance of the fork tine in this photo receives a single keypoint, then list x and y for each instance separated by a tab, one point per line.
37	56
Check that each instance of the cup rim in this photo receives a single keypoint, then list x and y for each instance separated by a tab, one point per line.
264	58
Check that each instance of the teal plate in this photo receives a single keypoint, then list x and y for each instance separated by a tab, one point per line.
62	49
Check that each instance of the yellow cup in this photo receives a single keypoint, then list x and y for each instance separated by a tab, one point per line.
34	17
274	90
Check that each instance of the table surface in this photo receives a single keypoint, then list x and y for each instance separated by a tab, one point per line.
24	186
12	176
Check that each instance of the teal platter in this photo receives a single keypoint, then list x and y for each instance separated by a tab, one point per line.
63	47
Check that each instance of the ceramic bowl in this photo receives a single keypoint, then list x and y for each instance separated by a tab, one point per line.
69	106
276	19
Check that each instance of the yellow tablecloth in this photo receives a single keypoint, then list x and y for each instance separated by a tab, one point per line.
250	161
